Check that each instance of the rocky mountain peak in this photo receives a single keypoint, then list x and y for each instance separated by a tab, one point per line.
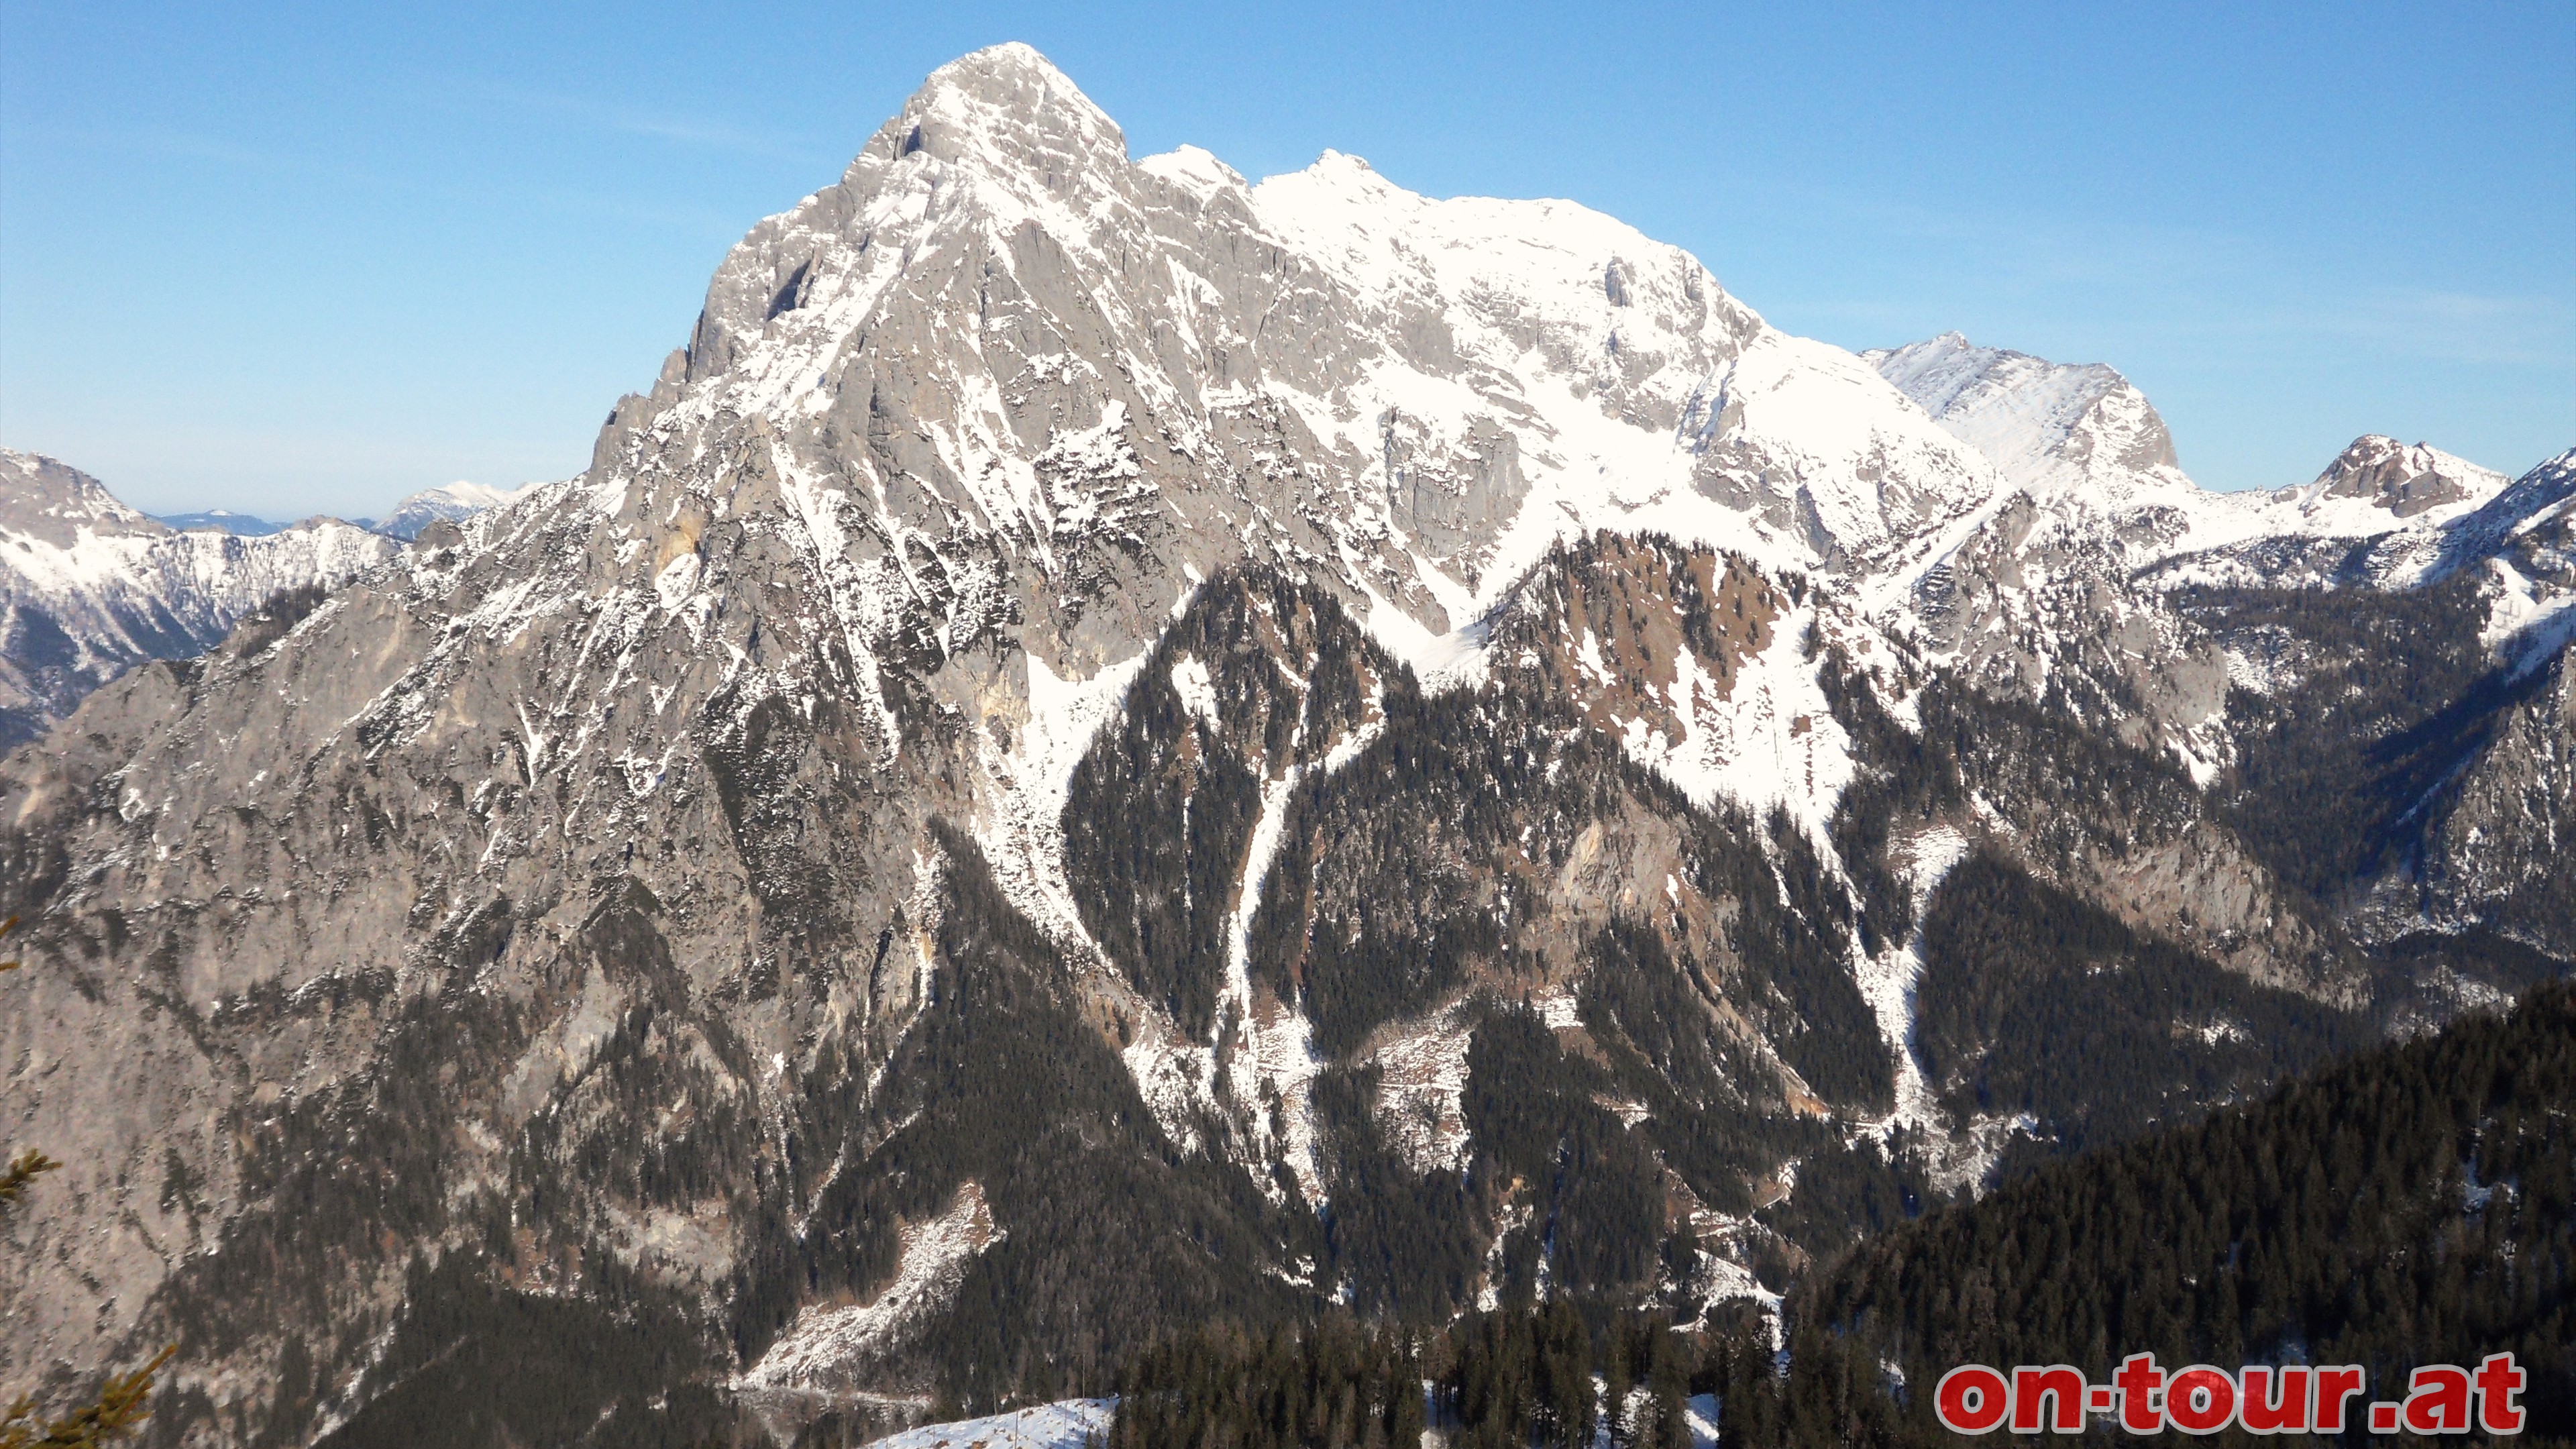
997	339
2043	423
53	502
1007	111
948	760
2405	480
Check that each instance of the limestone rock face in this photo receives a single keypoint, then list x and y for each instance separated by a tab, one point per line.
2405	481
1110	746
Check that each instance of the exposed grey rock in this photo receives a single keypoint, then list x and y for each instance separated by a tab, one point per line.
2405	481
624	890
90	587
2493	836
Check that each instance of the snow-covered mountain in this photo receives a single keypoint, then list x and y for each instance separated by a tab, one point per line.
2061	577
1109	744
2047	426
450	503
91	587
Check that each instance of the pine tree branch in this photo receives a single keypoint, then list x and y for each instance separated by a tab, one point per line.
22	1171
124	1402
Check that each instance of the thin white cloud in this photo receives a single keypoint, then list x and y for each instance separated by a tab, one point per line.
696	132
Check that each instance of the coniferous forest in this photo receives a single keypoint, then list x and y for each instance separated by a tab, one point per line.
2407	1205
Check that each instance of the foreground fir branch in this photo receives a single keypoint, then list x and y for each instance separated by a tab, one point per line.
124	1402
24	1169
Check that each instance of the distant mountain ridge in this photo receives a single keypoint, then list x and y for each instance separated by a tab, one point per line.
95	587
447	503
1111	746
223	520
91	588
450	503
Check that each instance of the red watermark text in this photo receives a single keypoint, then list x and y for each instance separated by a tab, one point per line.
2440	1398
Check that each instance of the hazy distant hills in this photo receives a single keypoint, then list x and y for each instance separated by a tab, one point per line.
222	520
448	504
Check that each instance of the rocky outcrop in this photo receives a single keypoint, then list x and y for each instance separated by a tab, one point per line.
2402	481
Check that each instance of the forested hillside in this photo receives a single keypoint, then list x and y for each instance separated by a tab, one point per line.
2415	1204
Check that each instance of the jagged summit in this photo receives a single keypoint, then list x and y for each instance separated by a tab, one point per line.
2405	481
997	326
1005	109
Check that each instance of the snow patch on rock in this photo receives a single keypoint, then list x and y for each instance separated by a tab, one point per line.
1022	835
1422	1090
1768	738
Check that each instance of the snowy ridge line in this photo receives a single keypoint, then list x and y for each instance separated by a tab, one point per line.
1709	366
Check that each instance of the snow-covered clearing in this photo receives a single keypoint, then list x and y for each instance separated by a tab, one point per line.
1064	1424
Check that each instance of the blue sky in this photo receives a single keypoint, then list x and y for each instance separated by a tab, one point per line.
290	259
